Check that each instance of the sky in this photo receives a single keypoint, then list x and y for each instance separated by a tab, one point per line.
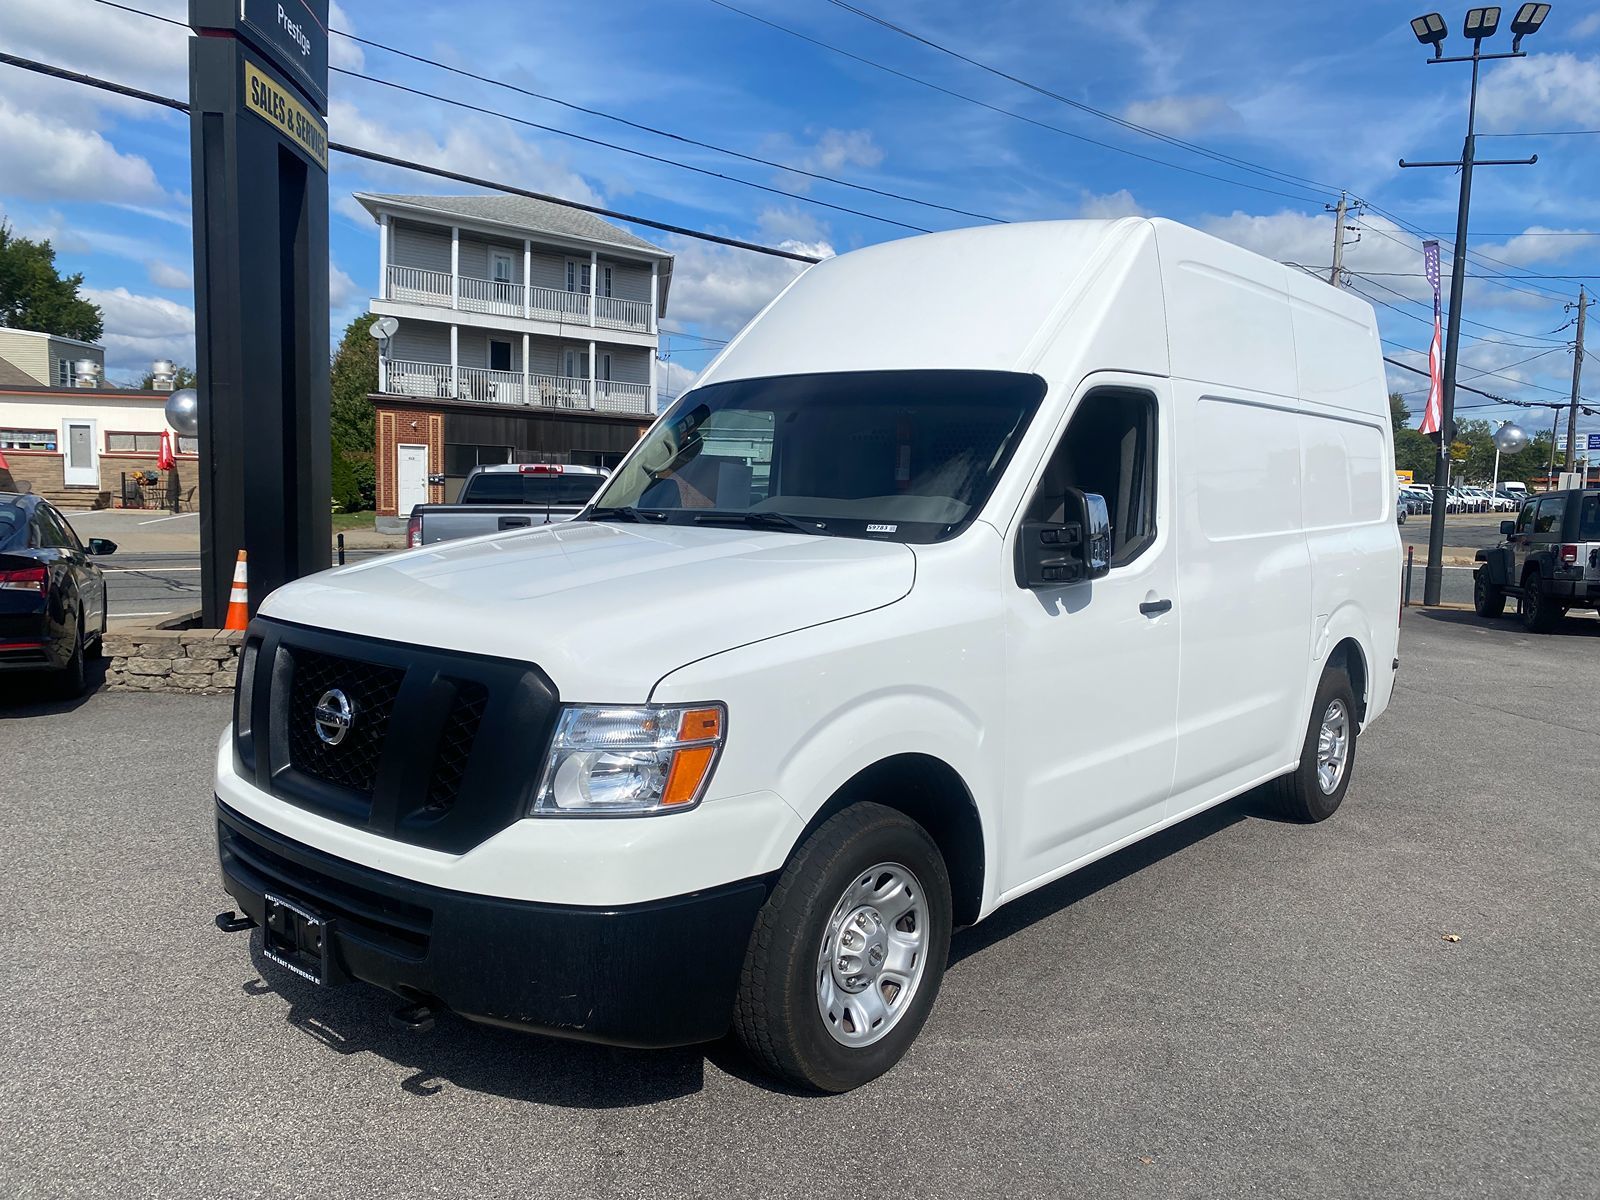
1282	106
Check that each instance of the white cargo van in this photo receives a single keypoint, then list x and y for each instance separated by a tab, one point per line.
974	558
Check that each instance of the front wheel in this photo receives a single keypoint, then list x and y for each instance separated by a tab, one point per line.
1313	790
848	952
1487	598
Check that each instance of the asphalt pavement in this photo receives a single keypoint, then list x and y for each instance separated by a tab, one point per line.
1236	1007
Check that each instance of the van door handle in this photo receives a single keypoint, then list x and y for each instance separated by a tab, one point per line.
1154	608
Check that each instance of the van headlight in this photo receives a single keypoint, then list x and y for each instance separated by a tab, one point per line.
627	761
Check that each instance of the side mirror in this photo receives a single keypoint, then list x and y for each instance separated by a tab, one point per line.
1507	528
1051	555
101	546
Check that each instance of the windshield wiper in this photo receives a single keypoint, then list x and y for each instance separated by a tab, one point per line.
625	512
761	518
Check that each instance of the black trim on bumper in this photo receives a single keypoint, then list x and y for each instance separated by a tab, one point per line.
658	974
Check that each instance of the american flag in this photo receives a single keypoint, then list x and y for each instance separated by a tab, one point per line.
1433	414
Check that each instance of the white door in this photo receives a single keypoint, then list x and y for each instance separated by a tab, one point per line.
411	478
1092	667
80	463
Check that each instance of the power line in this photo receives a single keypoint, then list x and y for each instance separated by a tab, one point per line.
1133	126
1547	133
1006	112
1428	320
1446	248
567	133
1498	374
106	85
650	129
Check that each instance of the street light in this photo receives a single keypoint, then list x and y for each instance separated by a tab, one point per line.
1480	23
1528	19
1431	31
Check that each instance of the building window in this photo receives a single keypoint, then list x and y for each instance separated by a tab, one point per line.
27	439
605	281
64	372
147	443
577	276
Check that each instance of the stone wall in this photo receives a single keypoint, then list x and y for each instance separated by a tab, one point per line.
170	660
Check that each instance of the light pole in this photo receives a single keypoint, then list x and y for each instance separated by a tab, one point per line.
1430	30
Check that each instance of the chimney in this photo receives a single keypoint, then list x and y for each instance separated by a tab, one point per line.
163	375
86	373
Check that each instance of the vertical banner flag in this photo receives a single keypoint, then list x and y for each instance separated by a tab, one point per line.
1433	414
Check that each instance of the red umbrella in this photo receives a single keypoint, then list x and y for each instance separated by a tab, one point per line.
164	459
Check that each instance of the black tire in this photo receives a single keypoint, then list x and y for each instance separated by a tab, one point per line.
777	1014
1487	598
1540	614
1300	795
69	682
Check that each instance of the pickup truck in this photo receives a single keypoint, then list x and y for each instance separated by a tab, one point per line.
1549	560
506	496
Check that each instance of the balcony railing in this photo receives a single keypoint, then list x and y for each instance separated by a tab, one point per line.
410	378
491	296
419	285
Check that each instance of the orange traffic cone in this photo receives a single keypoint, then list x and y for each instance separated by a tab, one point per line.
239	599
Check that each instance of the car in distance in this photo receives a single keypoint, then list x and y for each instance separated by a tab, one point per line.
903	611
504	496
52	596
1549	559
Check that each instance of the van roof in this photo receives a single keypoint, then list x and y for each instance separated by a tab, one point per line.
1134	293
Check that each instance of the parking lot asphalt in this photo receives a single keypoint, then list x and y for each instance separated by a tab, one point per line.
1236	1007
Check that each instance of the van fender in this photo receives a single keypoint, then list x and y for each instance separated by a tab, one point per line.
1348	622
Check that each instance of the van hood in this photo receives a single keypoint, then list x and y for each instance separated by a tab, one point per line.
606	610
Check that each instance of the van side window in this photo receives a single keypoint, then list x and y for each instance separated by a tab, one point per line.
1109	447
1551	510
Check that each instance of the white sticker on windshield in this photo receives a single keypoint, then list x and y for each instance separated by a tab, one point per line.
882	528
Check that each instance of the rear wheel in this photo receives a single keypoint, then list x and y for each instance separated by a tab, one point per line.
1488	598
1540	614
1313	790
848	952
71	680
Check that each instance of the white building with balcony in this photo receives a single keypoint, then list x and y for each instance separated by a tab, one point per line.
510	307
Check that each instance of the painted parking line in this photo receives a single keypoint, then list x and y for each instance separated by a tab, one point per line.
157	570
173	517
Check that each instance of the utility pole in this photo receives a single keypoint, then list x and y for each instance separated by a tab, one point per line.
1340	211
1430	30
1577	372
1338	240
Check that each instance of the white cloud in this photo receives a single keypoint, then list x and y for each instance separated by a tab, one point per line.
468	146
719	288
673	378
1112	204
140	329
342	290
1587	27
1542	91
165	275
342	52
838	148
48	159
1181	115
1530	247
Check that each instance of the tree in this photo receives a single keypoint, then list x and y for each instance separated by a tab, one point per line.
34	294
184	378
1399	414
1417	453
351	419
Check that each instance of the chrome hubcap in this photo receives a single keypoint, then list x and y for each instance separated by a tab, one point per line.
873	955
1333	746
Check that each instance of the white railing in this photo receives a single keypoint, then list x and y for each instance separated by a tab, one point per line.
611	396
621	314
419	285
482	386
488	387
407	378
491	296
558	304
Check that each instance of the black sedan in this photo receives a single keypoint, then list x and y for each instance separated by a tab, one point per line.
52	595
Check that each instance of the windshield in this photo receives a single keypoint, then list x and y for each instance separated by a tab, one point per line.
906	455
513	487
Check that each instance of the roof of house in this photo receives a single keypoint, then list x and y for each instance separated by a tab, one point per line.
519	212
14	376
55	337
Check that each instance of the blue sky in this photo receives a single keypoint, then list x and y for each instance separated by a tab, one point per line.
1317	96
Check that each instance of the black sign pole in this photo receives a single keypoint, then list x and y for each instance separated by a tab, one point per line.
259	153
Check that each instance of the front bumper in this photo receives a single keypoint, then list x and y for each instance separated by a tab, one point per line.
660	973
